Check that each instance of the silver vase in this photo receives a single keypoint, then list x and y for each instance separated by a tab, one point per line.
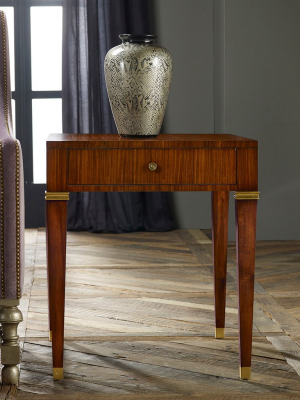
138	75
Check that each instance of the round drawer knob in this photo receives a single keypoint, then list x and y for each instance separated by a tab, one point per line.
152	166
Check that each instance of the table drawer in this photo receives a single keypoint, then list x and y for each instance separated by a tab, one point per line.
131	166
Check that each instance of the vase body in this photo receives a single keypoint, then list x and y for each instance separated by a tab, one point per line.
138	75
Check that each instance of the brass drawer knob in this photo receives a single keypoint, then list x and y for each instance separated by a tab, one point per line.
152	166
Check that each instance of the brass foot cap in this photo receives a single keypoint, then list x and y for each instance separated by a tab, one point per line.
50	336
10	375
245	372
219	333
58	374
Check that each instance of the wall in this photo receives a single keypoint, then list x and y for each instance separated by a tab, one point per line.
237	70
262	92
185	28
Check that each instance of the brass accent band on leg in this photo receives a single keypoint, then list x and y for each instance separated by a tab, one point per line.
57	195
219	333
50	336
58	374
246	195
245	372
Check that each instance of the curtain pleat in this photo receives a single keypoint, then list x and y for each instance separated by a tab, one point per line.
90	29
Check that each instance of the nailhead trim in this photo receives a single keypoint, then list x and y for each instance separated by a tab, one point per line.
2	223
18	218
17	178
4	71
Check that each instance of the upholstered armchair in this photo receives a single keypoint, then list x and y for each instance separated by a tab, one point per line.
11	222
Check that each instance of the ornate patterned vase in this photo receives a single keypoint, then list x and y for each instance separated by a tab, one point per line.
138	75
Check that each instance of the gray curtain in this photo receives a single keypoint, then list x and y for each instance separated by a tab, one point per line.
91	28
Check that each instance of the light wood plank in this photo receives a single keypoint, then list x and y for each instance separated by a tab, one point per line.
140	321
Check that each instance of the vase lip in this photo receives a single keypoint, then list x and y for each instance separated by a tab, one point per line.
137	38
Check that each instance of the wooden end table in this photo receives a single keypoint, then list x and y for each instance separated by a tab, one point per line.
183	162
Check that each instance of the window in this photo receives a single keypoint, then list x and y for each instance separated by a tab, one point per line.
46	70
35	41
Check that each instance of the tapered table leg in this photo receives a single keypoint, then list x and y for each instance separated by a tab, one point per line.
219	206
48	280
56	226
245	255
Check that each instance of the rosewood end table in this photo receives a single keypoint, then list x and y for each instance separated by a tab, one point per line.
183	162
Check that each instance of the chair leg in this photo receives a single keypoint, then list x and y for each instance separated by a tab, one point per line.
10	317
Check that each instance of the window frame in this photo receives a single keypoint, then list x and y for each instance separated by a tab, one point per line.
23	96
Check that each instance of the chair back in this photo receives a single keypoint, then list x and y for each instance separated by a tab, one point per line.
12	226
6	127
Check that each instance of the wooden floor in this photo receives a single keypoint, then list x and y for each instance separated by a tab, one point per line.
140	321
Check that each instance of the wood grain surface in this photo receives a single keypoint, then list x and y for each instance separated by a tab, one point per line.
220	210
185	162
131	166
140	321
56	236
245	221
169	141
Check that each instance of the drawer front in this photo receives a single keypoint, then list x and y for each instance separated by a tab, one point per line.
131	166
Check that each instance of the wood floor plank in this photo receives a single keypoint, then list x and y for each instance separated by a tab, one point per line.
140	321
239	396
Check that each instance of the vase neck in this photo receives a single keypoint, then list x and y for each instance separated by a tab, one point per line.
137	38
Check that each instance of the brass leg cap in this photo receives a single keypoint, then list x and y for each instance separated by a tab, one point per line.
50	336
10	375
58	374
219	333
245	372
